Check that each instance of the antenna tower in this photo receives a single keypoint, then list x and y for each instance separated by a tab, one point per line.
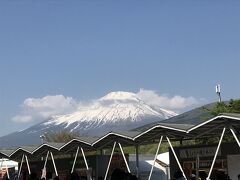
218	91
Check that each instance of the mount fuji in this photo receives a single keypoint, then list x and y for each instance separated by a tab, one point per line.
114	112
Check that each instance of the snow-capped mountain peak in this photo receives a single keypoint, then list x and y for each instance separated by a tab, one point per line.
120	95
116	111
115	107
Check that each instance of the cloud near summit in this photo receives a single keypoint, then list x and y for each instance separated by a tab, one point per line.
176	103
35	110
39	109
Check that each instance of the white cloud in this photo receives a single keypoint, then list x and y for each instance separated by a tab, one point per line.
39	109
35	110
176	103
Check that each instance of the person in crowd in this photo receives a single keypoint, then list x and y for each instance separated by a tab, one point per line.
5	177
202	175
118	174
129	176
56	178
33	176
221	175
178	175
49	175
193	175
74	176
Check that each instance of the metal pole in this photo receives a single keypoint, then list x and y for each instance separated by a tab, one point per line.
124	157
168	172
105	178
155	157
179	165
234	135
97	165
54	165
45	163
197	166
84	157
20	168
215	156
75	159
219	97
29	171
137	161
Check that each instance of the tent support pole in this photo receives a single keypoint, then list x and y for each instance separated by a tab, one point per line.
105	178
44	166
74	162
45	163
159	144
20	168
124	157
137	161
215	156
54	165
234	135
84	158
26	158
179	165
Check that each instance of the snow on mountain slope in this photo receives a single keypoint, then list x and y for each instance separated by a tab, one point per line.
112	108
117	111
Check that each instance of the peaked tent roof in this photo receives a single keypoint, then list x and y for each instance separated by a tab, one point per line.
214	126
44	148
153	134
209	128
124	137
84	142
18	153
5	153
192	117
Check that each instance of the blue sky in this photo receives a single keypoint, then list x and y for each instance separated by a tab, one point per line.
86	49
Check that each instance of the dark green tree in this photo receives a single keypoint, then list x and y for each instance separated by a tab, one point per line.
61	136
233	106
